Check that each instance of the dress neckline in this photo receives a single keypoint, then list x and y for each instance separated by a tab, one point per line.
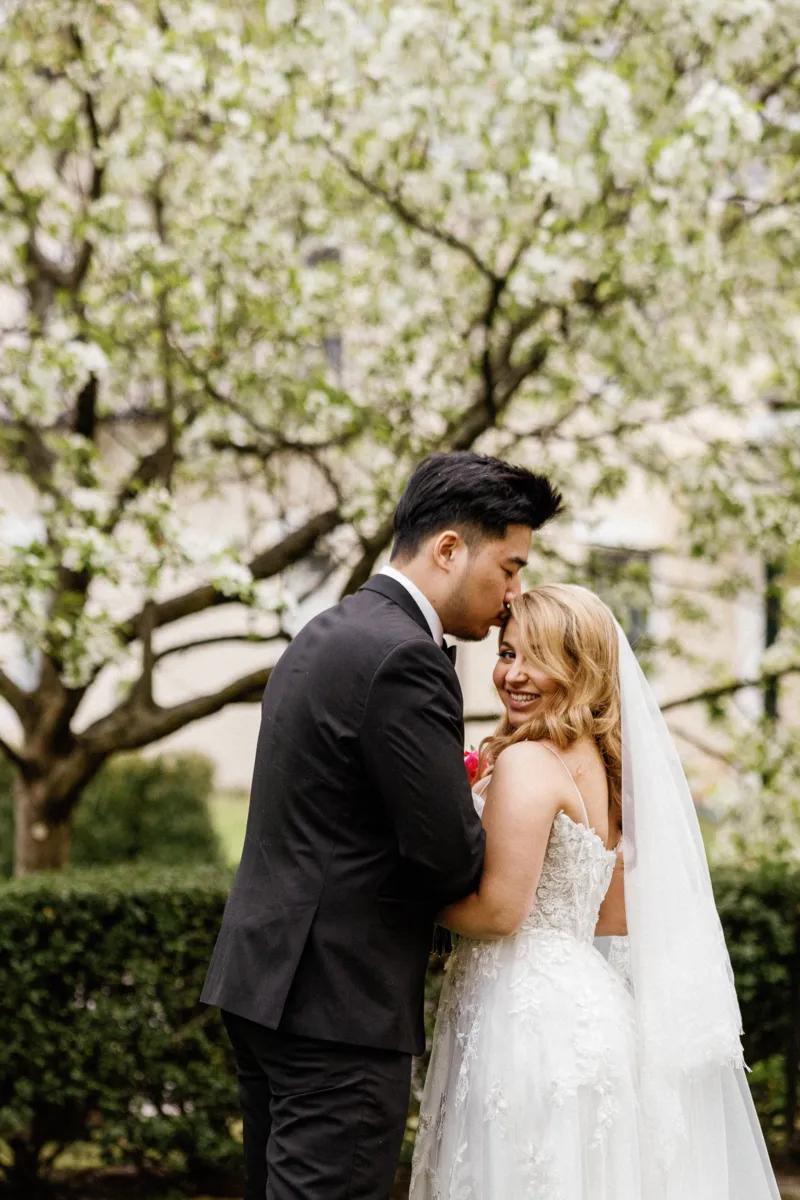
586	829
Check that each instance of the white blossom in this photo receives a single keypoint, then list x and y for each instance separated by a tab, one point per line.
280	12
232	578
304	212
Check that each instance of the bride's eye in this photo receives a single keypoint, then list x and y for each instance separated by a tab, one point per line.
507	654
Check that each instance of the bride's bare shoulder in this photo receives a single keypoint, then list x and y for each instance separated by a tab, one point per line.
525	751
527	762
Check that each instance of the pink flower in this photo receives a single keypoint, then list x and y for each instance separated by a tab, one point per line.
472	762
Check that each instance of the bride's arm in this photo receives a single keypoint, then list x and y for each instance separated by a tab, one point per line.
523	799
611	921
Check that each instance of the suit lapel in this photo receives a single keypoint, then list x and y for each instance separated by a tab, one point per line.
384	585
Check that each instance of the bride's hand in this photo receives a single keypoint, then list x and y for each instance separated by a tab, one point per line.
611	921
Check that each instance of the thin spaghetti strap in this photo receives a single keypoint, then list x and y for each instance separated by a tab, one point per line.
572	778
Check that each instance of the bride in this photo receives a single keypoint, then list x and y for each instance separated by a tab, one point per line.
556	1074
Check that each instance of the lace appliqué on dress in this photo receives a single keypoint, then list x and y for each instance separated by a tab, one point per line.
534	1045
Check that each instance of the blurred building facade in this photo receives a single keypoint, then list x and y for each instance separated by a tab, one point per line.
630	553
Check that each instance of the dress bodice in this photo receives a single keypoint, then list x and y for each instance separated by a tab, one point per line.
575	876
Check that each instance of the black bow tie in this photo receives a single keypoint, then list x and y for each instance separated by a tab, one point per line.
451	652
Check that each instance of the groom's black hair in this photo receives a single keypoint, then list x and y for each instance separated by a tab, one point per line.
477	495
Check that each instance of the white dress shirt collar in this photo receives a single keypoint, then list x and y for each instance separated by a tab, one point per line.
428	611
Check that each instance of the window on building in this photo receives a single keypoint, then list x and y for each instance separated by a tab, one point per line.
332	348
623	578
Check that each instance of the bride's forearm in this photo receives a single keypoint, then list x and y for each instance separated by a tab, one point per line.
517	834
475	917
611	919
611	925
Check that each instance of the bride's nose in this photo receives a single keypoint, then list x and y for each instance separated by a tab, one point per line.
516	672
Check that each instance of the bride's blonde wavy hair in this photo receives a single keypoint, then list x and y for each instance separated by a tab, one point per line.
568	633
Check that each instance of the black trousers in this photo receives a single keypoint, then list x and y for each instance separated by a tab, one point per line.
322	1120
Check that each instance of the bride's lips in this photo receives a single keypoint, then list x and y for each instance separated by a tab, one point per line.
517	705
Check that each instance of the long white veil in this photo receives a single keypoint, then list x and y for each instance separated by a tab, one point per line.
697	1115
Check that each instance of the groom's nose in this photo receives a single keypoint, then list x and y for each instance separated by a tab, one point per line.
514	589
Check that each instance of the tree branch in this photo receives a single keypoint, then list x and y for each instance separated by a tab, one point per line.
708	695
266	565
13	694
500	381
776	85
71	278
372	548
461	434
254	639
409	217
497	287
60	277
86	409
482	718
130	730
39	459
275	442
152	467
142	692
8	751
465	430
84	255
702	746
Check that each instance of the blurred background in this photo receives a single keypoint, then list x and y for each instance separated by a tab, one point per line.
255	262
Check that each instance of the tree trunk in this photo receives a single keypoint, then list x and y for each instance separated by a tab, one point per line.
40	844
23	1175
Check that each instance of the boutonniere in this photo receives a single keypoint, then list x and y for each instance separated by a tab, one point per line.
472	762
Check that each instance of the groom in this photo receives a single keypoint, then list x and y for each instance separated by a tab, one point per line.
361	827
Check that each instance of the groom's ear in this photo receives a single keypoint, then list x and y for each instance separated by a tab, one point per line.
447	548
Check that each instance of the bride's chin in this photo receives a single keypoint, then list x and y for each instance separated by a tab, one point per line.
518	718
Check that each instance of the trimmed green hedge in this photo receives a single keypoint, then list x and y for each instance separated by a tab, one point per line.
136	810
103	1040
760	913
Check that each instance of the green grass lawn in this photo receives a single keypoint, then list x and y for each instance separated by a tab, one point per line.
229	814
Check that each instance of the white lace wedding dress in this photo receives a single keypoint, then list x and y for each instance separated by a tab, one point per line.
534	1090
531	1090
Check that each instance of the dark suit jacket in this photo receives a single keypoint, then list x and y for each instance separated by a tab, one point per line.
361	826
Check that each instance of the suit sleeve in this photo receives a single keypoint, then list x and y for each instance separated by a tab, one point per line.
412	739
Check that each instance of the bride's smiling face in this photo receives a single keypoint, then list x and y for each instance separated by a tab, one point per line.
524	689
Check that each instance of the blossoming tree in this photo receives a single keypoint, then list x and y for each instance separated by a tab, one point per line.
247	246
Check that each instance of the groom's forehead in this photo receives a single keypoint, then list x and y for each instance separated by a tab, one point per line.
506	553
511	554
516	544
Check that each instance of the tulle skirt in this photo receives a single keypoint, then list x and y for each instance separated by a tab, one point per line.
532	1090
